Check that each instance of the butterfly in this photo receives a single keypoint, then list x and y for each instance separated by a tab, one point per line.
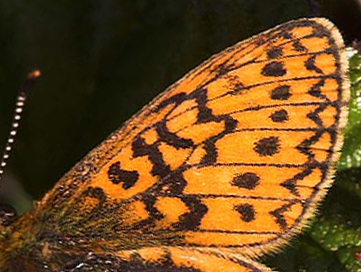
225	165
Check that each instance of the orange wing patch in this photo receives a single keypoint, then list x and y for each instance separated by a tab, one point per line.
227	163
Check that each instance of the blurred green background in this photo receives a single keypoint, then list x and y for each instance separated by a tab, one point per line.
103	60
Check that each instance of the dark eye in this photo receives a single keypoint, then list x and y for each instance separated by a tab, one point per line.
7	214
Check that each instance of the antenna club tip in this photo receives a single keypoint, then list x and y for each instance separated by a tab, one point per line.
34	74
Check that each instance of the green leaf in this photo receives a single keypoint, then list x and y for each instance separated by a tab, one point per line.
351	151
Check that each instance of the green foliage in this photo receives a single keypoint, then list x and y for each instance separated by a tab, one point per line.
351	151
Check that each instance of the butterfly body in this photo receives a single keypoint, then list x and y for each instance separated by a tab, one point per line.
227	164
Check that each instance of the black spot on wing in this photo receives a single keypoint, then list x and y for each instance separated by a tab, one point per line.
281	92
267	146
246	211
274	69
247	180
117	175
274	53
279	116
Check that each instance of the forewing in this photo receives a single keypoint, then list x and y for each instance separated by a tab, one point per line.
236	154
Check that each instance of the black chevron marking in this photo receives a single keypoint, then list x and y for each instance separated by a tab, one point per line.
279	216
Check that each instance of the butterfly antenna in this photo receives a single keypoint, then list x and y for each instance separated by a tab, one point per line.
25	89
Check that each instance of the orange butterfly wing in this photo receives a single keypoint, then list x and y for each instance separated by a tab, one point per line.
229	161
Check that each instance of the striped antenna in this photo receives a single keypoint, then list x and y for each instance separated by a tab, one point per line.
20	102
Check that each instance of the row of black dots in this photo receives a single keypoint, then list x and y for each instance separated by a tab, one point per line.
21	98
